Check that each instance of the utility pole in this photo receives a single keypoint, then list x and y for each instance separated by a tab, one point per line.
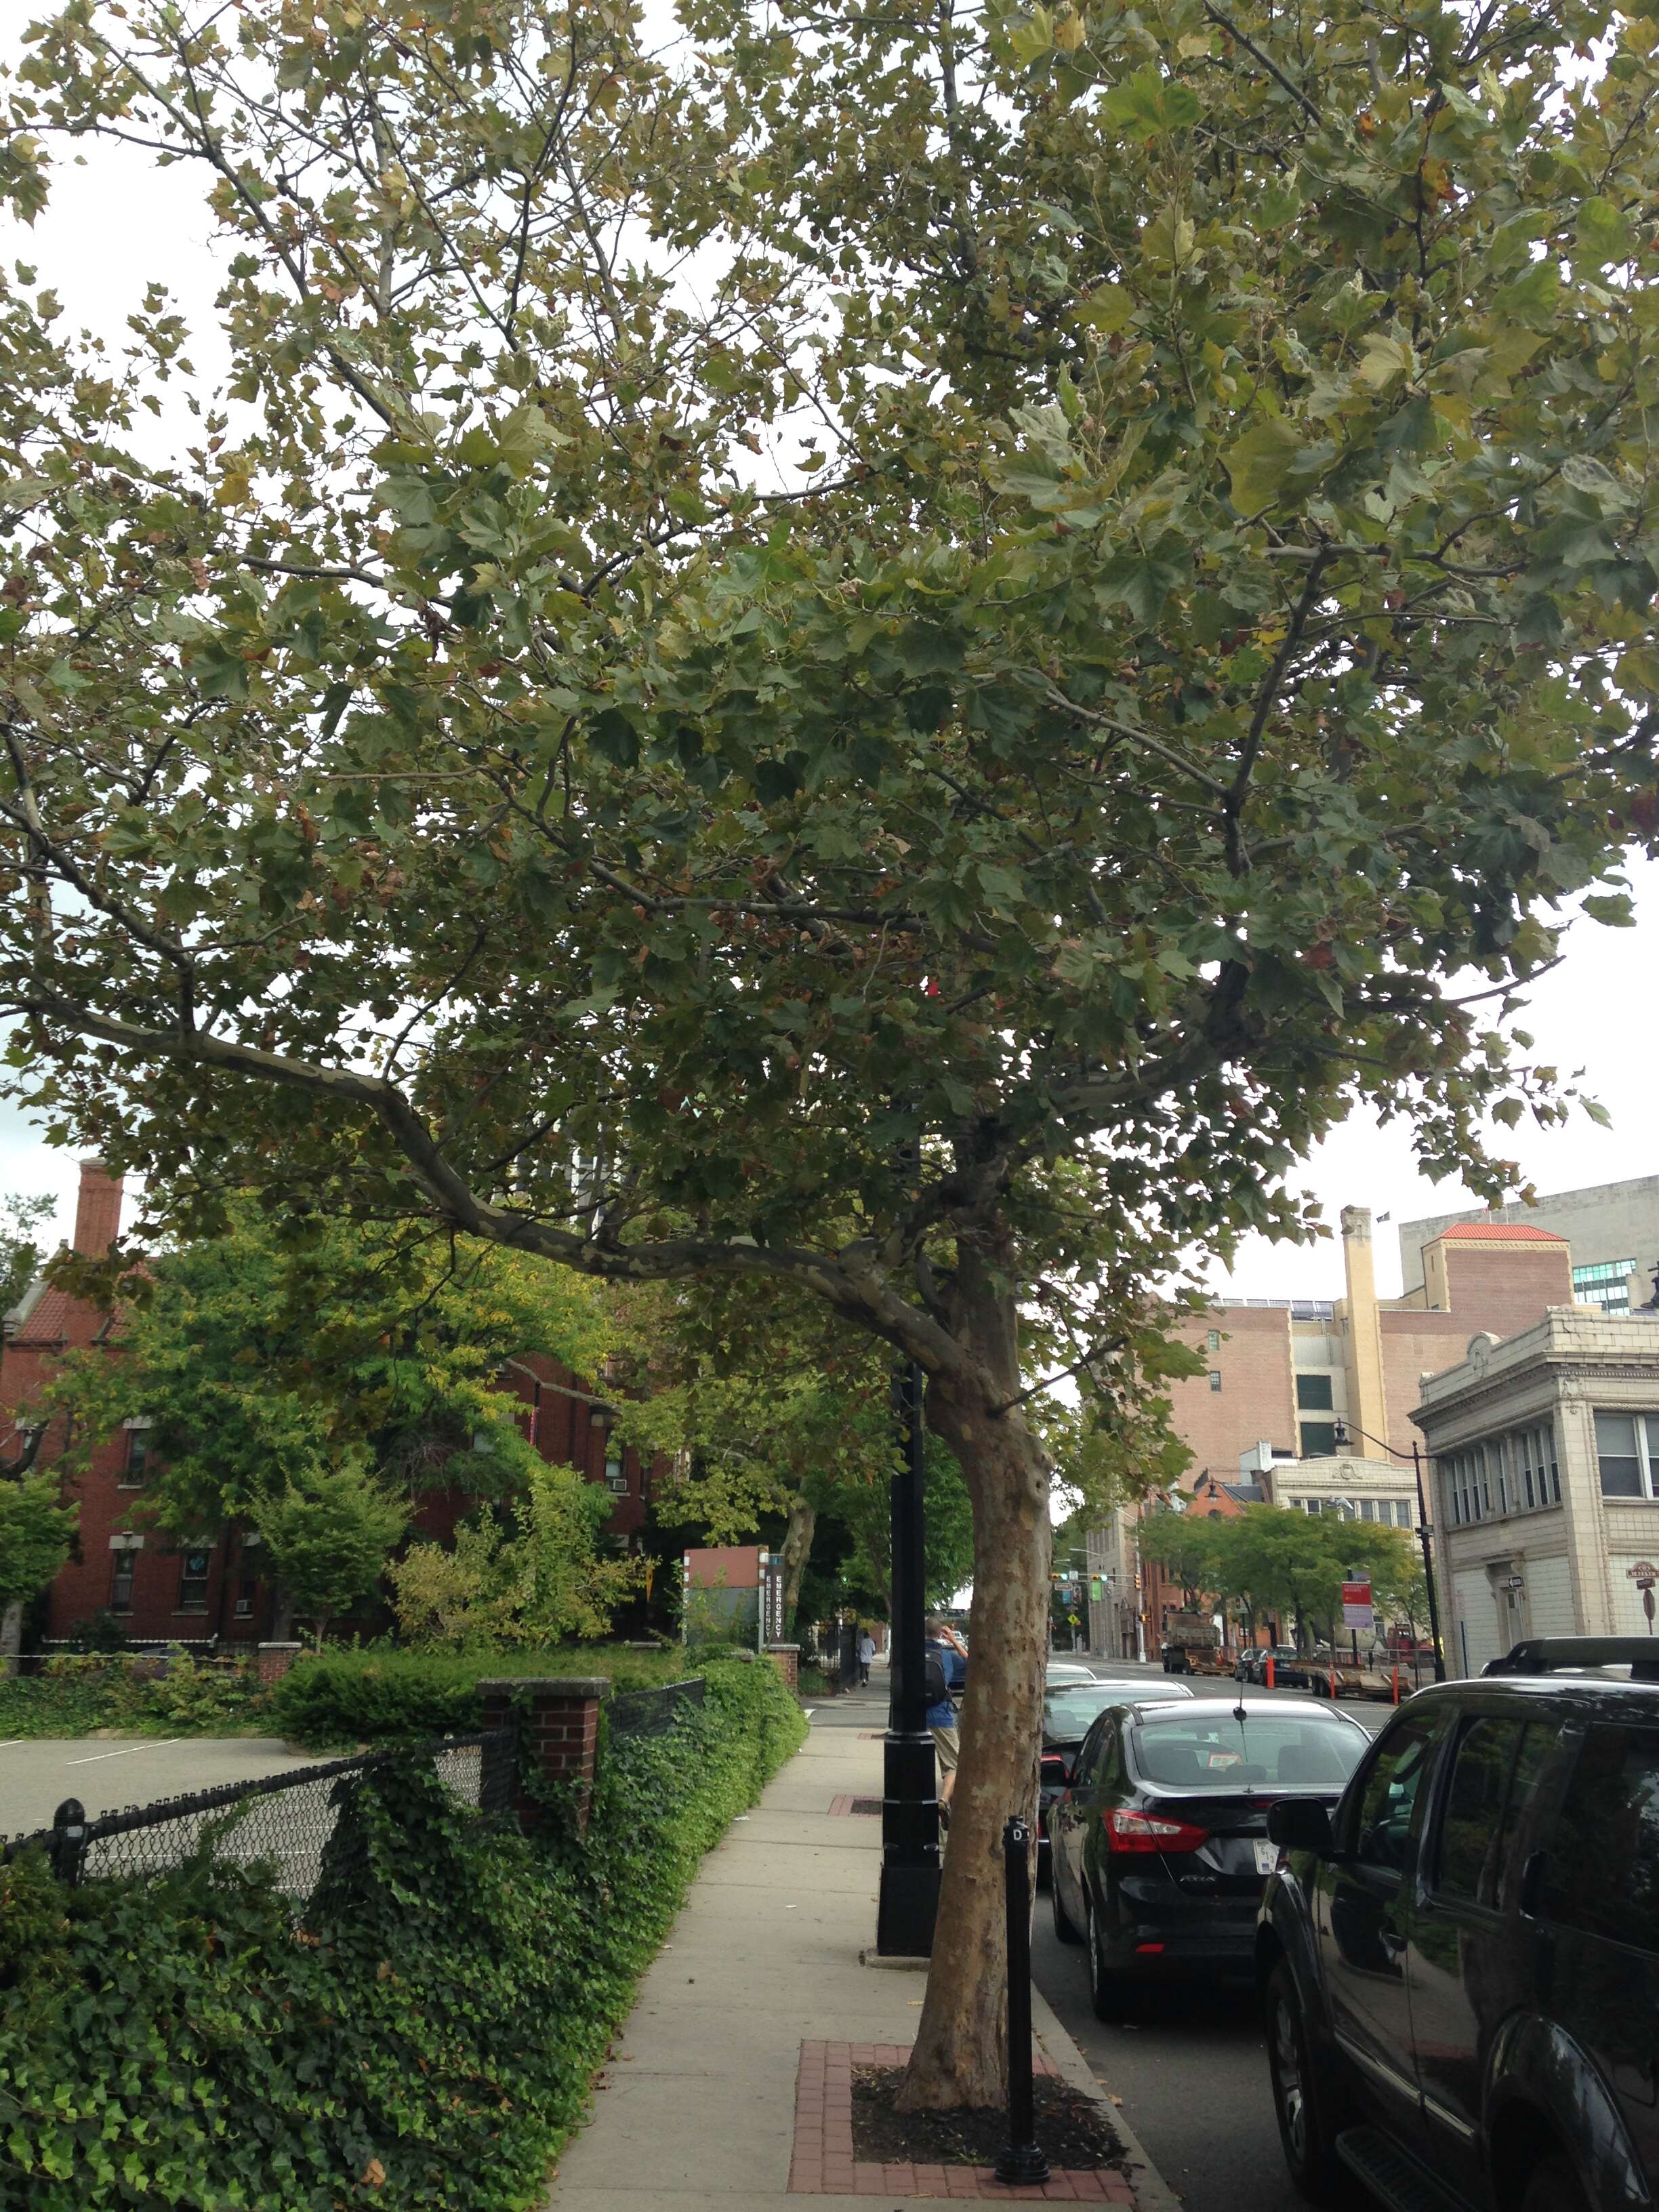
909	1897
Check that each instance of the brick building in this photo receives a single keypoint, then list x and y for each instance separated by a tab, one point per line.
1281	1375
215	1588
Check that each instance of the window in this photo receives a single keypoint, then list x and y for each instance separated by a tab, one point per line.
134	1460
1313	1393
1212	1342
1605	1283
121	1566
1602	1872
244	1596
1387	1817
1318	1439
1627	1449
616	1479
1495	1771
193	1568
1402	1513
1215	1378
1221	1753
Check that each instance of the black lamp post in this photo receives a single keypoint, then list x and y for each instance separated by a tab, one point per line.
909	1897
1423	1532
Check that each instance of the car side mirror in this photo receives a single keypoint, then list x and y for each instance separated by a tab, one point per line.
1296	1824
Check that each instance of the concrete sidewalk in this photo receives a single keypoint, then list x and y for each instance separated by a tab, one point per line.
731	2081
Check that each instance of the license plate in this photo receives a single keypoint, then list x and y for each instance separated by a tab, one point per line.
1267	1858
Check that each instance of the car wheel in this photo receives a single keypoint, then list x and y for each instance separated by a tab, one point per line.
1554	2187
1305	2127
1109	1993
1065	1926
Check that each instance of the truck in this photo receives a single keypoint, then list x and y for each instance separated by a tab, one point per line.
1191	1645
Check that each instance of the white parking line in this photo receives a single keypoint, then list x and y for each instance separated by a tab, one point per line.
161	1744
10	1741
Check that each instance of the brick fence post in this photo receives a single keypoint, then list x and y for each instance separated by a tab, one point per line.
276	1659
558	1723
785	1658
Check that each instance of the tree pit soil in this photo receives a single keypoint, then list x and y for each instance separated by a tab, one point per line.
1073	2132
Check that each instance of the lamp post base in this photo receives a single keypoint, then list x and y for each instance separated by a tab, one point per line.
908	1902
1022	2165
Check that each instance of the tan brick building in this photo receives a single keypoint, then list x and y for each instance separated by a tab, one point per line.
1284	1379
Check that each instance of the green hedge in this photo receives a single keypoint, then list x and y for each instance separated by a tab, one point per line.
425	2041
80	1691
379	1693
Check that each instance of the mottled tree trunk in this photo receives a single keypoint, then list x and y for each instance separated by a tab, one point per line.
11	1635
797	1547
961	2050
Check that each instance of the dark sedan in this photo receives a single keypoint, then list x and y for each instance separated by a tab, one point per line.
1070	1710
1159	1846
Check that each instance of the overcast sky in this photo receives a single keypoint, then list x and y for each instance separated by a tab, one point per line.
115	224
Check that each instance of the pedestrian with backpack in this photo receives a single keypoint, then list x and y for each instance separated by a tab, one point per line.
941	1709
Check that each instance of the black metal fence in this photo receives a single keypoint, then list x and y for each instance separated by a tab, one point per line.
290	1822
653	1713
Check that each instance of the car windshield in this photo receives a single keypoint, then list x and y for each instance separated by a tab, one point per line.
1215	1750
1068	1708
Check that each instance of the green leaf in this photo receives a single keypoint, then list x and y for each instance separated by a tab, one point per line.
1603	234
1260	463
1148	104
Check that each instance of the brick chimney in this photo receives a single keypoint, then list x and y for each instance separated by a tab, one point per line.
97	1210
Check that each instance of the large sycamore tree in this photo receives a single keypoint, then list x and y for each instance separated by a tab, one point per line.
968	621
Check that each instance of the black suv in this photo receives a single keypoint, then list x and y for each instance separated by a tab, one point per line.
1460	1965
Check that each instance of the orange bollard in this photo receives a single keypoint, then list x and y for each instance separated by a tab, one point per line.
1396	1686
1333	1685
1270	1671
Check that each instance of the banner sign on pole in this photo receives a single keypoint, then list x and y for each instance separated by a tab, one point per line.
1356	1604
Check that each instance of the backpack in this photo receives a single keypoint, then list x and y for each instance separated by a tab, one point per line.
933	1676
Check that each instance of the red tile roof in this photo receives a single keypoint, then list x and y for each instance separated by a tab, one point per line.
1511	1232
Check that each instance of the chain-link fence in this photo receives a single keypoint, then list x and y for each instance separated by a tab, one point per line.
298	1823
653	1713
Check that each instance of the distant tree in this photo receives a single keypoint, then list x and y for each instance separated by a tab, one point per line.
20	1252
36	1530
274	1360
329	1535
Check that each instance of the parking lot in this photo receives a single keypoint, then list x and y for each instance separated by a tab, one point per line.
106	1773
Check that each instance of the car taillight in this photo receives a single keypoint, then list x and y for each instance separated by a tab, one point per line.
1147	1831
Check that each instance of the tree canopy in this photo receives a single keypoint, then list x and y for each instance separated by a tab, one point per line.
311	1379
1203	613
1270	1559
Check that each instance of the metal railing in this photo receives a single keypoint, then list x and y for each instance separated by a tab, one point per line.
653	1713
289	1822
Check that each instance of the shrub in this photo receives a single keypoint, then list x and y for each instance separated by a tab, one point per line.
78	1691
379	1693
426	2040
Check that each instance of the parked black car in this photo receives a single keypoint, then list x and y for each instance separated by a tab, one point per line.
1070	1710
1160	1844
1460	1965
1252	1665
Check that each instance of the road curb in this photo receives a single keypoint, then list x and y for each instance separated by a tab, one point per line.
1152	2192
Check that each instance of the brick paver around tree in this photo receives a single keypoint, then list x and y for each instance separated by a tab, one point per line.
823	2163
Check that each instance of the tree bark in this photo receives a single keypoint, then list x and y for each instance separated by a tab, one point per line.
797	1547
960	2055
11	1634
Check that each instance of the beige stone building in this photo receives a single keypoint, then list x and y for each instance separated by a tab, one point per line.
1545	1496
